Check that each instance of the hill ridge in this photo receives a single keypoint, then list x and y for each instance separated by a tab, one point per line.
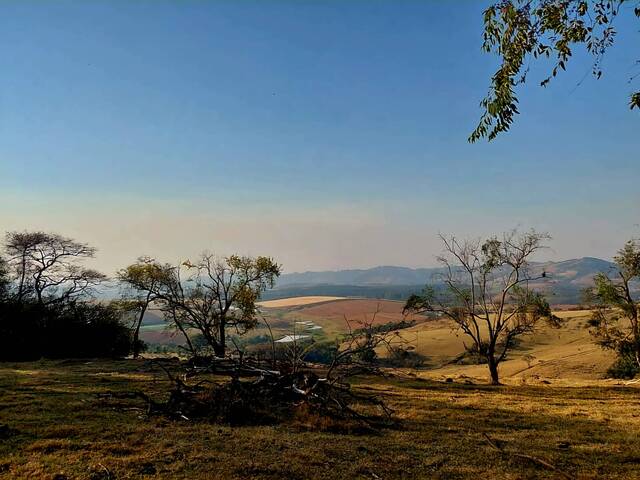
581	269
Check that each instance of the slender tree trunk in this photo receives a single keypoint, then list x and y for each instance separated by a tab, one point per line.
185	334
218	347
493	369
221	350
136	333
636	337
273	344
23	274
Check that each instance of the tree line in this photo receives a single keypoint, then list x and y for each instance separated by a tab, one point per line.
48	306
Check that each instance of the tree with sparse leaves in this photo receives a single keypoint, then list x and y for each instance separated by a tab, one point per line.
217	294
522	31
616	312
485	290
46	307
47	267
136	300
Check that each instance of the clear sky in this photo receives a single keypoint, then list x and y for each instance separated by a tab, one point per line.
326	134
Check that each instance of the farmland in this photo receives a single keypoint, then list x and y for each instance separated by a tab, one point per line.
332	314
566	354
297	301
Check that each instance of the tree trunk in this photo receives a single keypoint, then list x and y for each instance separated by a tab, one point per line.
636	338
185	334
493	370
220	350
136	333
23	274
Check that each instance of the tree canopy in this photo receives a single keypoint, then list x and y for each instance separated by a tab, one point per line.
216	294
616	314
523	31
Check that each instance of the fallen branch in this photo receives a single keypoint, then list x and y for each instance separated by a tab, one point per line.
273	397
531	458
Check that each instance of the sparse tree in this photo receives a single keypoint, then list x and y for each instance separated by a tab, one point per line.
486	292
219	294
615	309
163	284
522	31
140	280
47	267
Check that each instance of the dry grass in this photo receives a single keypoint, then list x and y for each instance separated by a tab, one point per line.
58	425
568	354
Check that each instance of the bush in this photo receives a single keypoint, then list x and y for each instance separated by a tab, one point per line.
400	357
29	331
625	366
322	352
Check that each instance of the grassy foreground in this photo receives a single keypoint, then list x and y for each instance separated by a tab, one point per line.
58	428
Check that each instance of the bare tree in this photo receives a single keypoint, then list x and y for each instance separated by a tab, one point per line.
219	294
611	297
485	290
356	350
47	267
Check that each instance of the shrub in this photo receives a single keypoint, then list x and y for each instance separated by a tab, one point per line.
400	357
322	352
625	366
30	331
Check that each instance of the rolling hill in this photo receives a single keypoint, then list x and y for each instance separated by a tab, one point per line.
564	283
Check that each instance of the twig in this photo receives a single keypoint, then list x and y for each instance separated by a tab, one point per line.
107	471
527	457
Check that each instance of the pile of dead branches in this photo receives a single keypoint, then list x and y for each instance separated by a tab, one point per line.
272	397
245	391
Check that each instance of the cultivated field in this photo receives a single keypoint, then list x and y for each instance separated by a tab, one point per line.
334	316
56	426
327	313
296	301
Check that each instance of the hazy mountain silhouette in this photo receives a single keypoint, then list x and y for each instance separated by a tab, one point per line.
575	272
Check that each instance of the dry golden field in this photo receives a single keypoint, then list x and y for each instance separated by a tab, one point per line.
567	354
556	406
55	426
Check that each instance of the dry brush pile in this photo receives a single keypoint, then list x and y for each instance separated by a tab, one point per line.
252	392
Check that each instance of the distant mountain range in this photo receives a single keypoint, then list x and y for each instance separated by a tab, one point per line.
578	271
564	283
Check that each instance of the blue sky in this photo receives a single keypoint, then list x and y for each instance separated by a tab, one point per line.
328	134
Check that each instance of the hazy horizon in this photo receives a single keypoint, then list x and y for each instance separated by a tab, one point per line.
326	135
